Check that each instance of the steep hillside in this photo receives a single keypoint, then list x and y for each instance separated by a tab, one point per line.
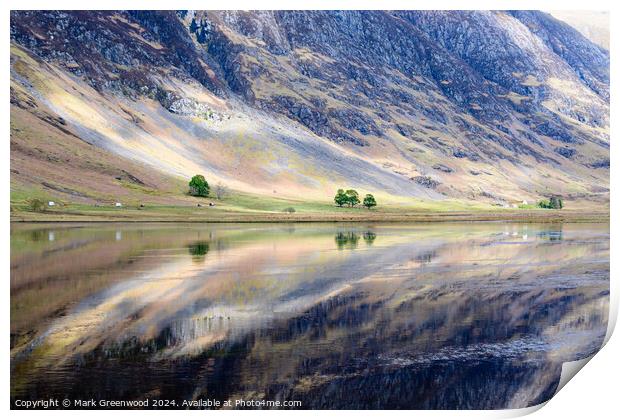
486	107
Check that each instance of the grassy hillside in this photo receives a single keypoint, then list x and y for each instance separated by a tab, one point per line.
51	163
284	121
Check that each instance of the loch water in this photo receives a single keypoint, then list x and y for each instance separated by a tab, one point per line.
422	316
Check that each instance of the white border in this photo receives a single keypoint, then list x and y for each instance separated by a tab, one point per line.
316	4
592	395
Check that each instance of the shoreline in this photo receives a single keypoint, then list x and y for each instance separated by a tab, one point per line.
457	216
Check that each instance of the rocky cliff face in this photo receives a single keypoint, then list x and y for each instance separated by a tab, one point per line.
481	105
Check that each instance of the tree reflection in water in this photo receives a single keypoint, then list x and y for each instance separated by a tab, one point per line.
348	240
482	316
198	250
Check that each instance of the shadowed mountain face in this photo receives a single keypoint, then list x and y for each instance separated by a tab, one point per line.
481	105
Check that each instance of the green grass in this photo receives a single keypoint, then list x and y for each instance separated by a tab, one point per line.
21	196
243	207
253	203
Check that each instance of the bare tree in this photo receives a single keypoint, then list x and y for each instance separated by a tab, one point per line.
221	191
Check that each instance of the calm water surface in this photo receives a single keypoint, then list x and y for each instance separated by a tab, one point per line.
447	316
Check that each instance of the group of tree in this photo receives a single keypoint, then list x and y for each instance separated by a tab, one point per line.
199	187
351	198
554	202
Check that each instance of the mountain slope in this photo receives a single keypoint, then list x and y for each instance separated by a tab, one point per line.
477	106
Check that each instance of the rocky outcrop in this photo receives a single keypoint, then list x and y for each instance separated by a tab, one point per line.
426	181
462	87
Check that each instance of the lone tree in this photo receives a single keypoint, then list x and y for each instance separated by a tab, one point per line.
36	205
555	202
221	191
198	186
353	198
369	201
341	198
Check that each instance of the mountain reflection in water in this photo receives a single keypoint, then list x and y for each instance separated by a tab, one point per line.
427	316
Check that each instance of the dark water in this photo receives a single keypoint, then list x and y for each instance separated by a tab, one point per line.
428	316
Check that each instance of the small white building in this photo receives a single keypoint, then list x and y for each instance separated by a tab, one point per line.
118	205
51	203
